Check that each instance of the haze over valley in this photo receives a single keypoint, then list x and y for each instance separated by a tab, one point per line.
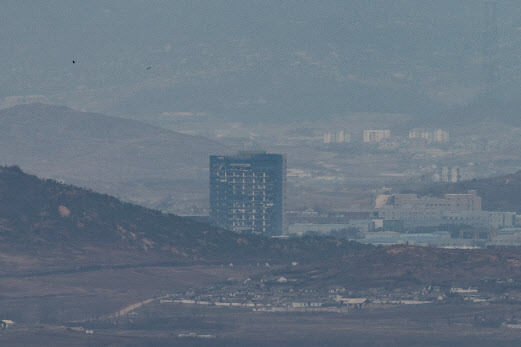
262	173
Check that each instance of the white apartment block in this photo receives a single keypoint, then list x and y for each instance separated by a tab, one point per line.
440	136
376	135
447	174
337	137
430	136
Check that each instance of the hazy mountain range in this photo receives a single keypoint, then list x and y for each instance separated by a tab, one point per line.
255	60
127	158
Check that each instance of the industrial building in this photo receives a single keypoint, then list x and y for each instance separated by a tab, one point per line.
401	212
247	192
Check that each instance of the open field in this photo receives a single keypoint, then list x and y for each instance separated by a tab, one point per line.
160	324
44	305
87	295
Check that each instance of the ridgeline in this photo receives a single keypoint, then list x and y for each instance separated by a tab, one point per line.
45	215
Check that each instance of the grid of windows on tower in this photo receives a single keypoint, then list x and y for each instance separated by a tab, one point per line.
247	192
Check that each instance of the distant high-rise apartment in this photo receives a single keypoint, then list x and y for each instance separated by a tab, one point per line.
447	174
337	137
450	174
376	135
247	192
440	136
437	136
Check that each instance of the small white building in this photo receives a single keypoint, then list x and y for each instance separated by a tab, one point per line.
464	291
354	302
305	304
6	323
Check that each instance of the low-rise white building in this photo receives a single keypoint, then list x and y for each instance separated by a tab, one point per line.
305	304
353	302
6	323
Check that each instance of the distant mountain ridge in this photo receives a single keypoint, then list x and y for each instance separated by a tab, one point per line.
42	117
45	212
268	61
136	161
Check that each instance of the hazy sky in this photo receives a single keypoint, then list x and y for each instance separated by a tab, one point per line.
252	60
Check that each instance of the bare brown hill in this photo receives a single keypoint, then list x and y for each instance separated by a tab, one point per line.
48	219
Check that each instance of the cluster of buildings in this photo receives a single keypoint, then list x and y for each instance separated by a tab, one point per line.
270	293
435	136
247	195
369	136
406	212
451	221
267	292
289	293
